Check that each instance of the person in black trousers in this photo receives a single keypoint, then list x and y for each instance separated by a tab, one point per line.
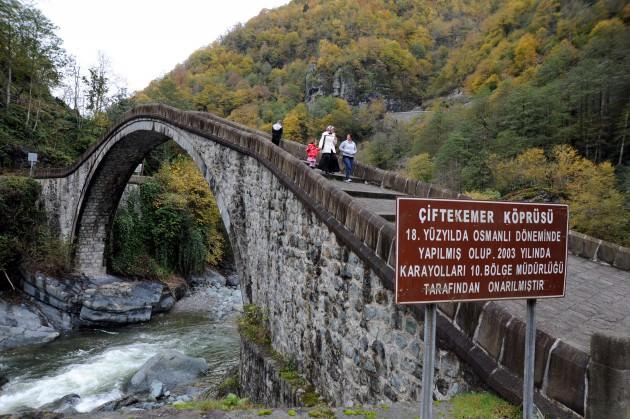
276	133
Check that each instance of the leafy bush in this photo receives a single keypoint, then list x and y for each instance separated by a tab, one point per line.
24	236
172	224
253	324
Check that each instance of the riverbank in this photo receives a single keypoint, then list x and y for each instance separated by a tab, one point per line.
96	362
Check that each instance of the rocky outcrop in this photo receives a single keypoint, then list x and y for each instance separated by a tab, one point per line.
164	371
21	325
106	300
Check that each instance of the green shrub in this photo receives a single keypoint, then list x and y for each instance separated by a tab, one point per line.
21	221
253	324
170	225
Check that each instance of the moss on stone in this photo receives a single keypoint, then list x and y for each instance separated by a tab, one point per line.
230	402
310	397
321	411
230	384
265	412
367	414
253	324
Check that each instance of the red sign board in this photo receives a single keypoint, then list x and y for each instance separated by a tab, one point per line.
456	250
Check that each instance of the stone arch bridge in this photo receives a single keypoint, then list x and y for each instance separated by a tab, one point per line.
319	258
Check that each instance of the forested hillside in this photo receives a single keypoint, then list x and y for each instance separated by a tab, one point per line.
517	91
32	65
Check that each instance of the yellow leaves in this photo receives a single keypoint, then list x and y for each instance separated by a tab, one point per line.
527	169
525	52
295	124
420	167
596	206
604	26
329	54
246	115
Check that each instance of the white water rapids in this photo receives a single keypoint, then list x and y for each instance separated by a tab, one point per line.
98	379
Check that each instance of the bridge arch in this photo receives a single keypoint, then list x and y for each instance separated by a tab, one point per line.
113	165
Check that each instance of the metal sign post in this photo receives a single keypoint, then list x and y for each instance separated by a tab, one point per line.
428	365
530	356
32	158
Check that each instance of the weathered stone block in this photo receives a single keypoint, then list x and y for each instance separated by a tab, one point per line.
448	309
544	342
608	392
613	351
583	245
622	259
468	317
492	329
607	252
514	347
567	376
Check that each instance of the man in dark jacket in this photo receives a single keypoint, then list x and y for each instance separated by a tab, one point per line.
276	132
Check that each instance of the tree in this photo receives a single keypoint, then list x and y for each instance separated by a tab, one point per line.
420	167
97	85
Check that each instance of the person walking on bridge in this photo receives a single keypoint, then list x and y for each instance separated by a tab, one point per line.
348	150
328	163
276	133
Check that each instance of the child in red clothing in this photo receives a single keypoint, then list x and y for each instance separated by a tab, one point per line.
311	153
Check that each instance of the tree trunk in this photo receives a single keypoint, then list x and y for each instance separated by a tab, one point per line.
9	86
30	97
623	140
36	116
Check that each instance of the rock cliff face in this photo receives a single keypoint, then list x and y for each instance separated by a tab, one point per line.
343	84
107	300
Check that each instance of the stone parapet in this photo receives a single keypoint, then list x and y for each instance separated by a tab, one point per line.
609	377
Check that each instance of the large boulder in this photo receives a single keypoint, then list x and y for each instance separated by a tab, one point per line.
20	325
109	300
170	368
81	301
66	404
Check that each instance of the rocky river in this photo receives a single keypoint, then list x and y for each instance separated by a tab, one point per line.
93	365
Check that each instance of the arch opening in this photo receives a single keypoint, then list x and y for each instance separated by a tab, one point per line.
107	179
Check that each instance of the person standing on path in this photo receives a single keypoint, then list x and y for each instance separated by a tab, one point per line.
328	163
311	154
348	150
276	133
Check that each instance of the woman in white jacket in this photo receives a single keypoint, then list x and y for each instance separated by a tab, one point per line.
328	162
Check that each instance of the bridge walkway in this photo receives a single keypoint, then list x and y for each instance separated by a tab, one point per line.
596	298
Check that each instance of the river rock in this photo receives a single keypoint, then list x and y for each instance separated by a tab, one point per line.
177	285
117	404
232	280
65	404
157	388
81	301
170	368
110	300
20	325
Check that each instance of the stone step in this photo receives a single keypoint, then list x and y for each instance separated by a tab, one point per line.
385	208
341	177
371	194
